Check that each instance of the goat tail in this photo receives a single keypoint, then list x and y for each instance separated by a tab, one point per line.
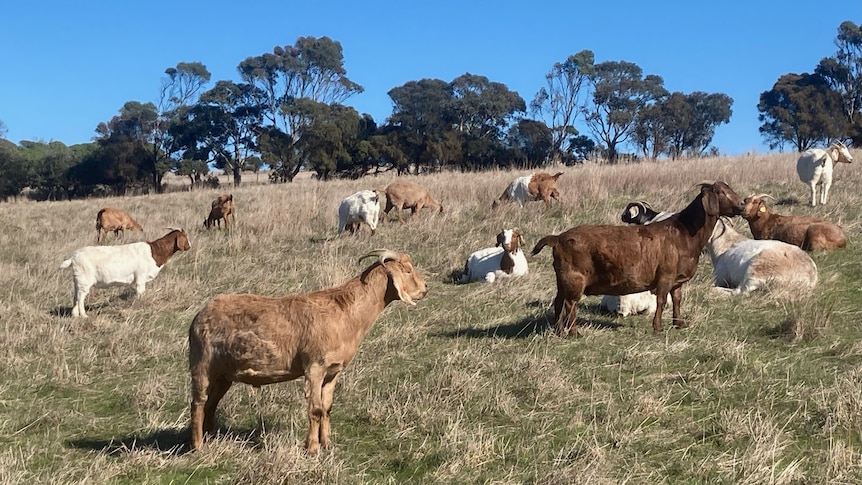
545	241
65	264
557	175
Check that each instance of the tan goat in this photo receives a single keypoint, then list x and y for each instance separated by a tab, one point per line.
806	232
407	195
538	186
116	220
261	340
222	208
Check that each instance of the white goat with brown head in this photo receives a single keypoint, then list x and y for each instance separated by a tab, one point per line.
815	165
504	260
261	340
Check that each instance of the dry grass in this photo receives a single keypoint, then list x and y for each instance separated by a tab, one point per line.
466	387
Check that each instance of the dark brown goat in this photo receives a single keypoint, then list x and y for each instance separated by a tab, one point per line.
806	232
407	195
222	208
116	220
618	260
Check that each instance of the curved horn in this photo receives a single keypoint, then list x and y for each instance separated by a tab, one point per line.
762	196
382	255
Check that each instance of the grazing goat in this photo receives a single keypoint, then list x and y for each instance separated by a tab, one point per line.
116	220
358	208
504	260
136	263
407	195
809	233
618	260
640	213
741	265
260	340
222	208
814	168
537	186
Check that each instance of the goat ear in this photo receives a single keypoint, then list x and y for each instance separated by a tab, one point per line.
397	281
710	201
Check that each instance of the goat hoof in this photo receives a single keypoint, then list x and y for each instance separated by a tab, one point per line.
680	324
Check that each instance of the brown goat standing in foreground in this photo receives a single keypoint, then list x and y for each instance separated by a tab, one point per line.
407	195
222	208
619	260
116	220
808	233
260	340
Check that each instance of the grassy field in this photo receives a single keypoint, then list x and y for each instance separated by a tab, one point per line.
470	385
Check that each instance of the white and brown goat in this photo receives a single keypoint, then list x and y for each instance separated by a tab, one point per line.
504	260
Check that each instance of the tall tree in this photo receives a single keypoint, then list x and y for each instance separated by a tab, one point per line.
311	69
179	91
127	138
560	101
800	109
532	142
423	112
14	171
843	72
619	92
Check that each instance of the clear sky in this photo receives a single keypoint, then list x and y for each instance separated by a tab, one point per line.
66	66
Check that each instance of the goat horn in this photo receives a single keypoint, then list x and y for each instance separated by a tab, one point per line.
382	255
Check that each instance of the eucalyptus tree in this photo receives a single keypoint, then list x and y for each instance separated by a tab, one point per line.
560	101
800	110
329	141
620	91
124	158
681	123
423	112
311	69
14	171
179	91
531	142
484	110
843	73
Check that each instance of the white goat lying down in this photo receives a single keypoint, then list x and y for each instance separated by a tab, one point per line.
742	265
641	213
502	261
137	263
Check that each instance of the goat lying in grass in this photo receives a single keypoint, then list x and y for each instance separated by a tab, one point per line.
502	261
260	340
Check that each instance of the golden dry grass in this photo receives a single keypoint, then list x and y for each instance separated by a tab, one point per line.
466	387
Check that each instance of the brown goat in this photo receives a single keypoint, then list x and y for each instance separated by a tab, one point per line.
538	186
618	260
222	208
806	232
407	195
260	340
116	220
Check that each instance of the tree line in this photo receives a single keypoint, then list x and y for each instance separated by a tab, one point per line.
287	111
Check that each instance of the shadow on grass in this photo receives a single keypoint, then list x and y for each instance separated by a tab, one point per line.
788	201
171	441
536	324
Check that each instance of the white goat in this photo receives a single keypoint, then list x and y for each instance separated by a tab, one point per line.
363	206
814	168
137	263
639	212
502	261
742	265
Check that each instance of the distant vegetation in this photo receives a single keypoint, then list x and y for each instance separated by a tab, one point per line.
287	112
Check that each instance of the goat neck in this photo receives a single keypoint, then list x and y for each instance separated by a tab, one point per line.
723	237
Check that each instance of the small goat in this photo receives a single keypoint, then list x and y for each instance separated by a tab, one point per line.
618	260
814	168
260	340
116	220
809	233
741	265
356	209
407	195
221	208
640	213
536	186
504	260
136	263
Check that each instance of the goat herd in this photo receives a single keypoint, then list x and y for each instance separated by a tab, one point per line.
261	340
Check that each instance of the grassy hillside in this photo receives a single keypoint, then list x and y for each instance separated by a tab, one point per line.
469	386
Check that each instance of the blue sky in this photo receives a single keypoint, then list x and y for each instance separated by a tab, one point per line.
66	66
